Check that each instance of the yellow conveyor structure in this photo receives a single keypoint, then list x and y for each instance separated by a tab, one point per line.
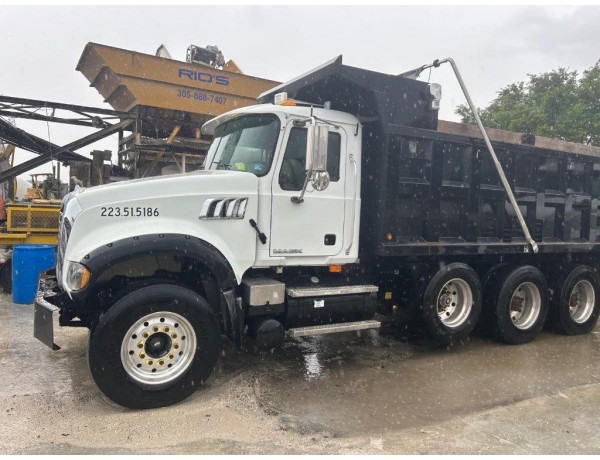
167	92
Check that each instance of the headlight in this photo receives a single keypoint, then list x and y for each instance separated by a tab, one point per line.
77	276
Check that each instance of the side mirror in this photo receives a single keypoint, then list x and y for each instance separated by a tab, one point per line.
320	176
317	138
310	142
320	180
320	149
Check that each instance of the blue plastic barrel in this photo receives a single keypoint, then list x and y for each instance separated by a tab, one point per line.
28	260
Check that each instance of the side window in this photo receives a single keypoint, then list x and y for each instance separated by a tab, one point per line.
333	156
293	172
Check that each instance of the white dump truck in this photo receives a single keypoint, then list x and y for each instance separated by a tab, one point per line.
336	199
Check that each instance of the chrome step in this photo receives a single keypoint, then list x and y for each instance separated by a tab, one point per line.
329	291
334	328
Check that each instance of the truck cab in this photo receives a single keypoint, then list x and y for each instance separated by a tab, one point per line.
272	142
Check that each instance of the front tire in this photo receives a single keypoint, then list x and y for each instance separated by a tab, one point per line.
154	347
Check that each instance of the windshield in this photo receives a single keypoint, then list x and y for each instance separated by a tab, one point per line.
246	144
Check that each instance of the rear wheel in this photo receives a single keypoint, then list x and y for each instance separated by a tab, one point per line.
520	305
576	304
452	303
154	347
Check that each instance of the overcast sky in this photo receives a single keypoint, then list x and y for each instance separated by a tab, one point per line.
493	46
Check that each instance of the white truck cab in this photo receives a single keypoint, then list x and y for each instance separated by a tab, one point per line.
270	141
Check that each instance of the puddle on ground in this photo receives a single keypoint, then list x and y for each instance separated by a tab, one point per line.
377	383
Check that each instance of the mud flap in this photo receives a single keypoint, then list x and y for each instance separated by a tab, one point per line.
236	317
43	322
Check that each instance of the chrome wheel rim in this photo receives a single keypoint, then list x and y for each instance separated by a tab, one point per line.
454	303
158	348
582	301
525	305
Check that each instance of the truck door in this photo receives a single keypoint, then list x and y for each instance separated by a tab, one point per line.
314	227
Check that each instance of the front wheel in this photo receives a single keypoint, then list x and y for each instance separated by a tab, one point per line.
154	347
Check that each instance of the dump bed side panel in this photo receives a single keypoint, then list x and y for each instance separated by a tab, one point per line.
444	196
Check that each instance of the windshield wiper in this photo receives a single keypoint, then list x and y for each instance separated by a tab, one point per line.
224	165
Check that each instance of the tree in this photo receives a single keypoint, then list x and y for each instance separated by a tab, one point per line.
555	104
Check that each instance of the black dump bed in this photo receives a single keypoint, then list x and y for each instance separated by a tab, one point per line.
430	190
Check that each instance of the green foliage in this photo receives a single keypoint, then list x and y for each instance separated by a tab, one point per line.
555	104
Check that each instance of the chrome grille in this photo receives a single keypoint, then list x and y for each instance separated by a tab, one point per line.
63	236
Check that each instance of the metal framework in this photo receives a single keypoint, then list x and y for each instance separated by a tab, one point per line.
80	115
106	121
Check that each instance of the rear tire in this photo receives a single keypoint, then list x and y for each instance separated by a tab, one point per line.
576	304
520	305
154	347
452	303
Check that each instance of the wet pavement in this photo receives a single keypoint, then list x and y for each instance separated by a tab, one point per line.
345	393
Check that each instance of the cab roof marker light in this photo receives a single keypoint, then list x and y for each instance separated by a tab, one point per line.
283	100
280	98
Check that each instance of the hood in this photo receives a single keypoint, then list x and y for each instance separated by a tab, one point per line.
214	206
171	186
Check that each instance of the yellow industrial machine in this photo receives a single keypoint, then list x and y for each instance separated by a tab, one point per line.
26	223
30	223
35	222
172	99
129	79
